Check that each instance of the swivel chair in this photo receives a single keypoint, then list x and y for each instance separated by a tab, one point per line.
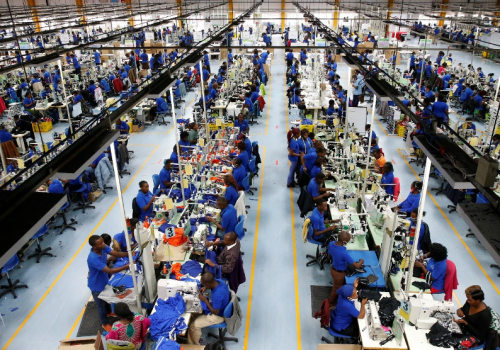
39	252
12	286
222	327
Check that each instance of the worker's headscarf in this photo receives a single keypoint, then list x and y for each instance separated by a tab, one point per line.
345	291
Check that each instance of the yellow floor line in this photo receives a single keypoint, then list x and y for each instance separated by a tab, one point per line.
381	127
252	274
453	228
68	336
74	256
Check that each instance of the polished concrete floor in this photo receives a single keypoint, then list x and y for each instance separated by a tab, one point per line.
276	297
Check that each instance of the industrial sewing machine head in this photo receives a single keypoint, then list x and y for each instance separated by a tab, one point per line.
420	311
373	320
189	290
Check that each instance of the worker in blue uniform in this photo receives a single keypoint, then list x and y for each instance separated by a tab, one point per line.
412	201
343	319
145	200
165	176
320	233
228	216
123	127
435	269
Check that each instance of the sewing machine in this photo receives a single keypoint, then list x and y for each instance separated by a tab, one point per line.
200	236
189	290
422	309
372	319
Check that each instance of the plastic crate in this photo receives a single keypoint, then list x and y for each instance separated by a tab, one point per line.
42	127
309	128
401	130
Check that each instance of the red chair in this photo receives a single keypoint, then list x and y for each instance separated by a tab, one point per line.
381	152
397	188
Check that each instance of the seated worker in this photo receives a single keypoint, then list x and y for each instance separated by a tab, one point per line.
340	259
174	156
379	160
161	105
231	193
23	125
77	97
428	93
242	124
248	144
411	202
319	232
316	169
213	311
239	173
435	271
119	240
316	186
387	182
123	127
367	130
423	243
131	327
495	141
46	93
374	146
29	103
226	259
228	216
309	159
165	180
468	125
184	141
475	315
440	109
243	155
193	133
145	200
98	276
343	317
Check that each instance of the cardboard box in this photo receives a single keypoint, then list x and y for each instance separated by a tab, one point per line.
137	128
94	195
85	343
143	73
192	347
339	347
365	45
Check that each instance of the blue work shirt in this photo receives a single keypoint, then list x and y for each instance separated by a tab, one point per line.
478	100
77	99
428	70
76	64
440	108
410	203
243	125
318	222
229	219
422	231
239	174
466	126
244	160
438	272
184	143
388	178
97	278
56	187
466	94
46	77
220	297
344	314
340	256
255	96
248	149
143	200
144	57
97	57
124	128
231	195
310	158
27	101
22	86
330	110
164	176
289	56
313	188
248	103
174	157
5	136
122	241
28	57
304	145
429	94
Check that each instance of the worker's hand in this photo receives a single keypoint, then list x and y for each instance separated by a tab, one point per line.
460	321
332	228
356	282
203	289
209	244
152	199
209	219
304	167
460	313
202	297
301	153
209	262
364	301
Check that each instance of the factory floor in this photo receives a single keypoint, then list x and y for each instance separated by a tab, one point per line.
276	297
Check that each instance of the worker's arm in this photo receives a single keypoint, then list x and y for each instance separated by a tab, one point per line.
118	254
362	311
212	220
328	229
168	183
147	206
210	307
114	270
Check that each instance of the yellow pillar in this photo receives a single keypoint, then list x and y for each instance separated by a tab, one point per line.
336	14
443	12
179	12
34	14
230	10
390	3
79	4
495	21
130	13
283	15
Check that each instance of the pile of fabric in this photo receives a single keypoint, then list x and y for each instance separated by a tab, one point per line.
387	306
166	321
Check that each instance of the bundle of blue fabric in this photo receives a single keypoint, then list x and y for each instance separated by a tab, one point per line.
166	321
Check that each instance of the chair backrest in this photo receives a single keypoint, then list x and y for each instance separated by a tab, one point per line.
228	311
42	231
397	188
238	229
164	106
246	182
251	165
256	108
381	152
9	265
136	211
156	182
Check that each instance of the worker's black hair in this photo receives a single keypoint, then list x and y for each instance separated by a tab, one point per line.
368	126
168	161
438	252
123	311
477	295
389	165
415	211
417	185
237	161
106	238
496	136
440	97
142	183
184	134
320	150
320	176
93	239
319	201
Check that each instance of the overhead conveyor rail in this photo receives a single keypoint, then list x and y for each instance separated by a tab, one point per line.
67	159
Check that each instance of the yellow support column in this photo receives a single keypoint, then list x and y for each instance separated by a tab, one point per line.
283	15
495	21
336	14
128	4
34	14
443	12
230	10
80	5
390	4
179	12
